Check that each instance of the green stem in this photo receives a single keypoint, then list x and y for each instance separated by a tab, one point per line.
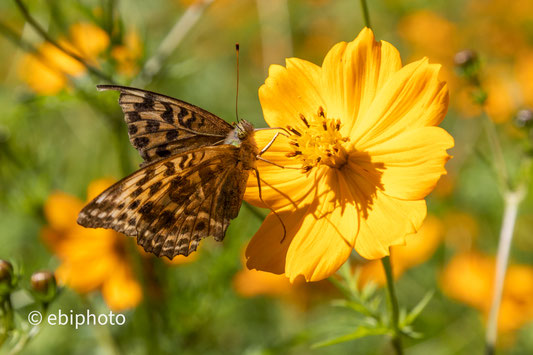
512	201
6	313
35	25
393	306
366	16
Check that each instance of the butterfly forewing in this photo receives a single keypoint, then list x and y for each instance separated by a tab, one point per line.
160	126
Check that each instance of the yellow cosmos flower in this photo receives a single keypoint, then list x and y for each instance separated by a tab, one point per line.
91	259
47	71
361	153
468	278
418	248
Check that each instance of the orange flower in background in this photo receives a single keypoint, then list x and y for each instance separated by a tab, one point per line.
47	71
128	54
250	283
91	259
430	33
361	154
418	249
468	278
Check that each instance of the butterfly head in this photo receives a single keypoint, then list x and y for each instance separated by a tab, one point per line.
242	132
243	129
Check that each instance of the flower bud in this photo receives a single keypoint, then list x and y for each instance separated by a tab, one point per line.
465	58
524	118
467	62
44	286
6	277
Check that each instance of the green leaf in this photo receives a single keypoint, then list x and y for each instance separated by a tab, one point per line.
415	312
358	307
358	333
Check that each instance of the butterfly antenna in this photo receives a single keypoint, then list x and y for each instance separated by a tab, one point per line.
237	95
270	208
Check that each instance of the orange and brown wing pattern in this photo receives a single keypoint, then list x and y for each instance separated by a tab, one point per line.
171	204
160	126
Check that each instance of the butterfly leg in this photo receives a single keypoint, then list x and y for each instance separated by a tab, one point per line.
270	143
258	156
270	208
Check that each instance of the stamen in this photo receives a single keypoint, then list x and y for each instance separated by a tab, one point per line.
293	154
294	131
318	142
302	117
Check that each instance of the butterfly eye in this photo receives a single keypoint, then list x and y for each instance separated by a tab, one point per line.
241	134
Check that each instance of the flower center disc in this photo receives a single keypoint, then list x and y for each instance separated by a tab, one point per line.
319	143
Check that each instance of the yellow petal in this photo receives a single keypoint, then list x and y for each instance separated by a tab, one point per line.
85	274
61	210
468	278
320	234
121	291
386	223
40	76
267	250
96	187
289	92
420	246
279	187
327	233
352	75
412	162
413	97
91	40
250	283
60	61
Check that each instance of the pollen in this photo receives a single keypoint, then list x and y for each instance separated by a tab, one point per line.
319	142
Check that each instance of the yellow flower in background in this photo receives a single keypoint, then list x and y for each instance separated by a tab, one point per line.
47	71
254	283
89	40
128	54
362	153
429	33
250	283
524	74
418	249
468	278
91	259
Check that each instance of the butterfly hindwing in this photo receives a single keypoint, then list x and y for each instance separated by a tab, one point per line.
173	203
160	126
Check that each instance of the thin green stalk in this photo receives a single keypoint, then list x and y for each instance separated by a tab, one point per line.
393	306
366	16
6	313
500	167
171	41
512	200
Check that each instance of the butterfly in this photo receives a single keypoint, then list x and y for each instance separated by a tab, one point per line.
191	182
